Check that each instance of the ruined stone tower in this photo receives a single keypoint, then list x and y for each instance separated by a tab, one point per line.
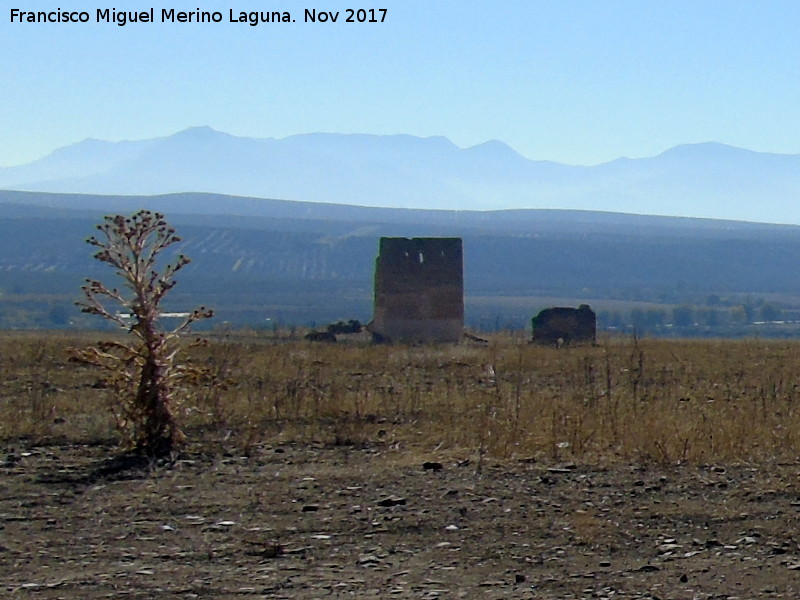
419	290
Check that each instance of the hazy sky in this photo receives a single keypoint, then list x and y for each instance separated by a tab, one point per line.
580	82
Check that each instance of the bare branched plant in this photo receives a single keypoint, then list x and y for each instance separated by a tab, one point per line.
143	369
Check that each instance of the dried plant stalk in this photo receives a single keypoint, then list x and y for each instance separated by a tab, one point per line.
143	369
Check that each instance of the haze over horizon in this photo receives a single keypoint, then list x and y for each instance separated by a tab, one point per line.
571	82
201	127
708	180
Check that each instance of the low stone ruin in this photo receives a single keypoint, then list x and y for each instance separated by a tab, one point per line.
562	326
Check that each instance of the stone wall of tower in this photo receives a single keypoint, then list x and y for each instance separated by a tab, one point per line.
419	290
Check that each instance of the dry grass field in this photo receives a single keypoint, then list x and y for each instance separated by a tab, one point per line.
634	468
646	401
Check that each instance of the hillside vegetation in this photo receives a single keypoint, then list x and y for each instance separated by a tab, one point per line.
294	263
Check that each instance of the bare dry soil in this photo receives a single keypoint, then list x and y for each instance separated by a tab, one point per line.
371	522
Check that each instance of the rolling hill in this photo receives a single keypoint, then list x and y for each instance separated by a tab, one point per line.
260	262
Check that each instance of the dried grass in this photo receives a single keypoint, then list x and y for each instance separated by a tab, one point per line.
623	400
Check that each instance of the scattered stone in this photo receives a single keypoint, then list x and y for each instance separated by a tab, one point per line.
392	501
266	549
747	540
519	539
556	470
648	569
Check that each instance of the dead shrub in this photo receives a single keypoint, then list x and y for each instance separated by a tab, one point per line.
142	368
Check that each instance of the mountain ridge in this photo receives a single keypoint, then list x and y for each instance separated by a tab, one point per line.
706	179
523	221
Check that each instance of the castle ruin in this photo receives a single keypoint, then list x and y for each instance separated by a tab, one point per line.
563	325
419	290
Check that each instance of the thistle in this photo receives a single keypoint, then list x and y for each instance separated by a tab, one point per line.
143	369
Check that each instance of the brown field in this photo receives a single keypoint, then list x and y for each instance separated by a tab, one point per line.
631	469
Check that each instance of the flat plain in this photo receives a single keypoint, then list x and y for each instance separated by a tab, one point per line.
630	469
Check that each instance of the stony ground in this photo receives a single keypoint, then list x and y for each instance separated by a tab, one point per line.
336	522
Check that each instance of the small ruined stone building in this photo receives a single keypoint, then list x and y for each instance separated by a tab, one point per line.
565	325
419	290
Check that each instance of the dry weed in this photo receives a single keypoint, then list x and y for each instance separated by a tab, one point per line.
623	400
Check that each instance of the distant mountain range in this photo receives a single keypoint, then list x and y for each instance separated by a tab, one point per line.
401	171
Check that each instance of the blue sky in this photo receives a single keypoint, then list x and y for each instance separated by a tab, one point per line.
580	82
